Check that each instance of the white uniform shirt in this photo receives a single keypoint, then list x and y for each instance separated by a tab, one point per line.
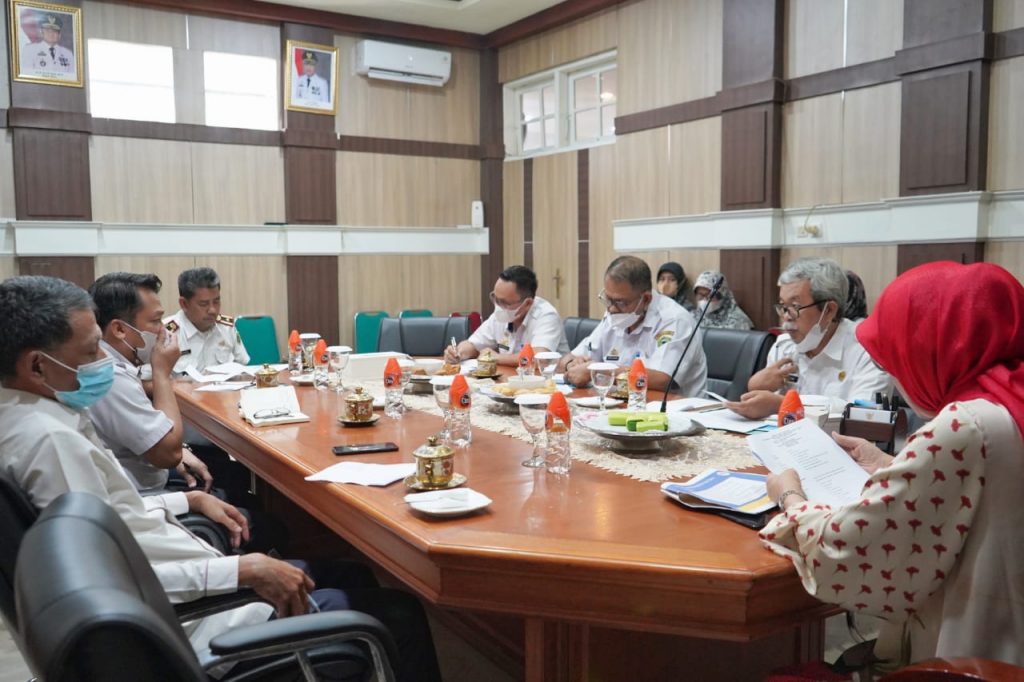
219	344
843	370
311	90
660	339
42	58
49	449
127	422
541	328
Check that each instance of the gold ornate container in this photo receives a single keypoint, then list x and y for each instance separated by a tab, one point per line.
435	464
266	377
486	365
621	388
358	405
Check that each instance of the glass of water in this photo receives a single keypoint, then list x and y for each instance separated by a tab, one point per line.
547	362
442	395
602	376
336	363
308	343
533	410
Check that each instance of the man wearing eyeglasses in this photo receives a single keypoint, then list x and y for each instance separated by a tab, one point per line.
819	354
520	316
640	323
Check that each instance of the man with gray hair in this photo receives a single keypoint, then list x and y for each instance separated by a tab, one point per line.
640	323
819	353
205	336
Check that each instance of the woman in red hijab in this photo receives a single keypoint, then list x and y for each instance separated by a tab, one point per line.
935	544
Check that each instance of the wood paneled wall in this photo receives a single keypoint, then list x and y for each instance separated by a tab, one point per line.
876	265
7	208
1007	14
1006	125
582	38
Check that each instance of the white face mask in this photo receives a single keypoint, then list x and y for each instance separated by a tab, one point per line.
148	342
711	306
813	337
623	321
505	316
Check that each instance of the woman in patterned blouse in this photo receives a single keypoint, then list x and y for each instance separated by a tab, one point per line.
935	544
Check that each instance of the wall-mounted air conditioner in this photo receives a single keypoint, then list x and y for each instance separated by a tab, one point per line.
403	63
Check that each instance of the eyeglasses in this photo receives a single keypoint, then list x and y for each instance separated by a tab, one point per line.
793	310
272	413
616	303
505	305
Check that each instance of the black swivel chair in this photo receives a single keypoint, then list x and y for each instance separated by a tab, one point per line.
424	336
91	609
733	356
16	516
578	328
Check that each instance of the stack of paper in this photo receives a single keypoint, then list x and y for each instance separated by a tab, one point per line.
364	473
722	490
267	406
827	473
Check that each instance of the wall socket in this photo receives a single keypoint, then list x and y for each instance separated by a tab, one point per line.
809	231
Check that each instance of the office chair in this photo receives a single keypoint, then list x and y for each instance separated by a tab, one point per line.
733	356
422	336
259	337
91	608
578	328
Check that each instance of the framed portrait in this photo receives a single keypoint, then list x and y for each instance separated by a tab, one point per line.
311	78
46	43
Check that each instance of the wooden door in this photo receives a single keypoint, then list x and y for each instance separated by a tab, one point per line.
555	230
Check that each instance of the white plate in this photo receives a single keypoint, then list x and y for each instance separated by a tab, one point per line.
678	425
448	502
595	401
509	400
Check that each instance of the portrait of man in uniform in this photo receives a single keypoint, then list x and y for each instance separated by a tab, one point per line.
311	78
46	43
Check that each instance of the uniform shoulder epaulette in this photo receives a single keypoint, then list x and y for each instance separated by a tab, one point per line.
226	320
171	326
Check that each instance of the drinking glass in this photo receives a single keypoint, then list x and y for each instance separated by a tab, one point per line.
547	363
602	376
533	411
337	361
442	395
308	342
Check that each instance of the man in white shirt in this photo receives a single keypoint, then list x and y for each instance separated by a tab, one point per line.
641	323
47	57
205	336
520	317
310	89
52	370
819	354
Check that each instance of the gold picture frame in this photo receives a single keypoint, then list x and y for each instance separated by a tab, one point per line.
46	43
310	78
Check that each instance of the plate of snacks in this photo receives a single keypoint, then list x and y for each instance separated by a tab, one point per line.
507	392
638	431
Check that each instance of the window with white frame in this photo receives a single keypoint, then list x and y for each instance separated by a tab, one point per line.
569	107
241	91
131	81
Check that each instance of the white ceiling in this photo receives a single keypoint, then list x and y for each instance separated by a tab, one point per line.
473	16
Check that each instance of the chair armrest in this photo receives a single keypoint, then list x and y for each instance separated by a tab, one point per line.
200	608
301	635
206	529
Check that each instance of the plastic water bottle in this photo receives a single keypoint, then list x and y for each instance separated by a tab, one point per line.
637	387
394	405
460	433
557	424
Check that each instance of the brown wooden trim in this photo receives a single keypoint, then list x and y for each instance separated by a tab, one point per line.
492	169
748	95
528	200
51	175
184	132
80	270
669	115
945	53
44	119
911	255
3	118
583	231
383	145
1009	44
864	75
310	186
753	35
314	139
932	21
313	297
251	10
553	17
753	276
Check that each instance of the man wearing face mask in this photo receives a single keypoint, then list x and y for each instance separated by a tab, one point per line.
520	316
640	322
145	436
819	354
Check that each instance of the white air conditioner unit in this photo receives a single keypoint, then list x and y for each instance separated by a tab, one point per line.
403	63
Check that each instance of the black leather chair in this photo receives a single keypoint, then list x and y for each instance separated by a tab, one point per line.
578	328
91	608
733	356
426	336
17	514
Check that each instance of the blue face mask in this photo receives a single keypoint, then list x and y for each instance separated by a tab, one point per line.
94	380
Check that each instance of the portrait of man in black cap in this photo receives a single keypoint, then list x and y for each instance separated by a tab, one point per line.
48	42
311	74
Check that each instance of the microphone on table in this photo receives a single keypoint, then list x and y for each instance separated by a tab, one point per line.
714	291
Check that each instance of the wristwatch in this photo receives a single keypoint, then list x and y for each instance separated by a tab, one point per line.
782	498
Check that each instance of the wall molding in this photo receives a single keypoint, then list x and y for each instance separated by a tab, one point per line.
956	217
45	238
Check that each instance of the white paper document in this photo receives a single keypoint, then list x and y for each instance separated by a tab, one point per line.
267	406
223	387
230	368
727	420
201	378
363	473
827	473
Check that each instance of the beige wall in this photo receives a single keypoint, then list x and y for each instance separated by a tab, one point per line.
1006	125
815	33
6	175
1007	14
582	38
8	267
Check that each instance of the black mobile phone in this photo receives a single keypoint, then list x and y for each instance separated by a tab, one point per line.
363	449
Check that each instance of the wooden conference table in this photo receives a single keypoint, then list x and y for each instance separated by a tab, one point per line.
610	578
